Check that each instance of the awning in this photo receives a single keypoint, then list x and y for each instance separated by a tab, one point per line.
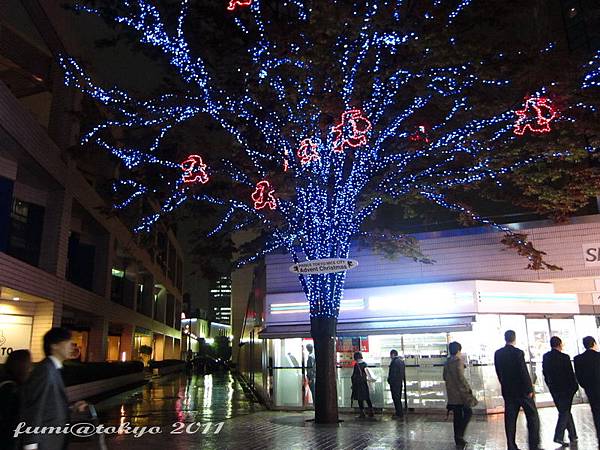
409	326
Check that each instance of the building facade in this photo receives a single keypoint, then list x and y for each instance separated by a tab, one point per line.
220	300
65	260
474	291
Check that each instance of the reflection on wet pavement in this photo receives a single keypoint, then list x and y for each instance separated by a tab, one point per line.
215	414
197	398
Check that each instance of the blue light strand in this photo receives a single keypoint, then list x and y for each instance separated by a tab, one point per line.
328	203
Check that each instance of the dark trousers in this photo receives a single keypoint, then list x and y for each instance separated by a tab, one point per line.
396	390
462	416
361	405
595	405
512	406
563	402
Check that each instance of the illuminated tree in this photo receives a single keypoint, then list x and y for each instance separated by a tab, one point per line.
336	108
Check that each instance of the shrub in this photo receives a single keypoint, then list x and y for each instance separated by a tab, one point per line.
77	373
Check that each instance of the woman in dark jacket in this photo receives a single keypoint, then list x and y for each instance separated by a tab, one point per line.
361	377
459	394
17	369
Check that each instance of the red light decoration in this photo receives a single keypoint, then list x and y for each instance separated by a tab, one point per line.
535	116
356	135
194	170
419	135
263	196
308	152
235	3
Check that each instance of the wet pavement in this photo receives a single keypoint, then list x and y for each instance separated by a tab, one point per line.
212	412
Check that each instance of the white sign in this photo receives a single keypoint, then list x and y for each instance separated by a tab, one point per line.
591	255
15	334
320	266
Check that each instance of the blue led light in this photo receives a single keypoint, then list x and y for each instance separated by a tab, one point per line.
330	190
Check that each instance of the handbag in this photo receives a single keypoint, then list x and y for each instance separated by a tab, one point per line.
471	401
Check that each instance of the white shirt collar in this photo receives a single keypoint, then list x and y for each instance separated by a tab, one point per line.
56	362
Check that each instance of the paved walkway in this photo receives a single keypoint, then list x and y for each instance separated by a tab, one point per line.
230	421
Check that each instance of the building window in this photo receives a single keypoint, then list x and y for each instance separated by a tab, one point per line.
80	264
117	285
139	304
220	300
25	235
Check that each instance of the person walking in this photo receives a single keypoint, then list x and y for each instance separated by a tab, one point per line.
17	368
458	392
311	370
517	391
45	401
396	377
587	370
560	379
361	377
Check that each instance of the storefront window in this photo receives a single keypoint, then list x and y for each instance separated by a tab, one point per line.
287	371
80	344
114	345
565	329
538	332
585	326
517	324
15	334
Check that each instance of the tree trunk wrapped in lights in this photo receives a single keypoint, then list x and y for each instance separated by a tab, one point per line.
337	108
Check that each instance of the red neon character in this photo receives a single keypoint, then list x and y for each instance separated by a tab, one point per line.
234	3
535	116
263	196
308	152
352	130
194	170
419	135
285	161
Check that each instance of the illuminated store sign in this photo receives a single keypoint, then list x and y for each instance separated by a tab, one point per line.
15	334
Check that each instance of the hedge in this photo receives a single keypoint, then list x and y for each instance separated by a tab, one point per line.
165	363
77	373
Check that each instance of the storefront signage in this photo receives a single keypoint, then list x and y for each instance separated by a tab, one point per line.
352	344
591	255
15	334
321	266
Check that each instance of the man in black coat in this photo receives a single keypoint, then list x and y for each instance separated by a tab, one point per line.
587	369
396	375
45	401
561	381
517	392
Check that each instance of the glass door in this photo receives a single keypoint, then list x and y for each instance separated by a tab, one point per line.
538	332
565	329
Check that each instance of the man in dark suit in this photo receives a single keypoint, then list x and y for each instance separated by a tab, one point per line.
45	401
587	369
561	381
396	376
517	392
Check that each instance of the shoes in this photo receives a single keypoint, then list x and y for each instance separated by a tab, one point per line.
396	417
460	442
561	442
371	414
362	415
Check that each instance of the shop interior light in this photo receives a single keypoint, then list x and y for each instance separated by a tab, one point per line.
209	341
16	299
123	356
302	307
418	300
508	296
